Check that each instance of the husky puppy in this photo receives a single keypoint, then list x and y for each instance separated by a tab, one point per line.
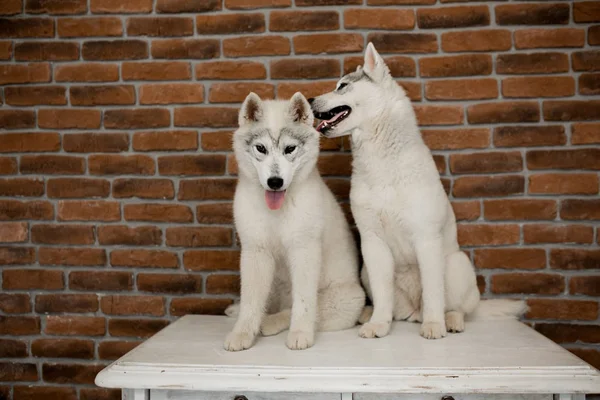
299	261
414	268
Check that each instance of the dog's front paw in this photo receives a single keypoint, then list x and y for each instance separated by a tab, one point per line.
433	330
237	341
374	329
300	340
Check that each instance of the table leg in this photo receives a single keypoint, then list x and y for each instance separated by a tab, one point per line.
569	396
346	396
135	394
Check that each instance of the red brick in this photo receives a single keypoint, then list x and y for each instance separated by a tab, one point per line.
453	17
594	35
473	89
529	136
586	11
187	6
549	38
11	7
96	142
230	70
335	164
143	188
207	189
564	159
217	141
102	95
13	232
77	188
8	165
30	279
582	133
69	119
143	259
172	93
591	356
411	89
237	92
71	256
211	260
571	110
388	19
24	73
510	258
89	27
587	285
44	393
160	26
113	350
46	51
62	234
477	40
492	186
286	90
88	72
19	326
589	84
486	162
15	303
56	7
114	50
230	23
532	63
232	167
17	372
399	66
466	210
305	68
559	86
486	235
121	165
252	46
292	21
63	165
165	140
185	306
169	283
199	237
133	305
532	283
560	309
404	42
90	210
439	115
202	164
63	348
552	233
574	259
26	28
35	95
223	284
130	236
156	71
71	373
212	117
25	142
185	48
74	325
33	210
62	303
513	111
564	184
532	14
462	65
158	212
119	7
214	213
253	4
139	328
10	348
16	119
5	50
569	333
519	209
575	209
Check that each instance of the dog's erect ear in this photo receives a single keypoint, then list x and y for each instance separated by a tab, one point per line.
374	66
251	110
299	109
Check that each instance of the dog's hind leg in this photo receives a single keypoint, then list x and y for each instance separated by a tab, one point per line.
272	324
340	306
462	294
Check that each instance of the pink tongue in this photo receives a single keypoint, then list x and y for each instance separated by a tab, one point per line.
274	199
329	121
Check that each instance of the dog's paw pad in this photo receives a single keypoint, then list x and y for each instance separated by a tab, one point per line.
433	330
374	329
455	322
237	341
300	340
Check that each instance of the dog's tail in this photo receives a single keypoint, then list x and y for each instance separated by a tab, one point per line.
498	309
233	310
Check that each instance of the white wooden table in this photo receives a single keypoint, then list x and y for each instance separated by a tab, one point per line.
491	360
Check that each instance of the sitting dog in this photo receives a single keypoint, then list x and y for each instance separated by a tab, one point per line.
414	268
299	261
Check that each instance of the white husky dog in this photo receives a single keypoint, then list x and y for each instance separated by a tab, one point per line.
415	268
299	261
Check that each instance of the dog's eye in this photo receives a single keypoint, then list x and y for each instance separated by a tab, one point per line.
289	149
261	149
342	85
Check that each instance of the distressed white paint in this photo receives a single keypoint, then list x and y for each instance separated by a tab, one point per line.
195	395
135	394
492	357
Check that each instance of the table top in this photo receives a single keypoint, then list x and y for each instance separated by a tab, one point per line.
500	356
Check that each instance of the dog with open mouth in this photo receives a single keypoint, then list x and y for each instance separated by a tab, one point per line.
414	268
299	262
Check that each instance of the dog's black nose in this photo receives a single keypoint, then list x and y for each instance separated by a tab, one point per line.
275	183
310	101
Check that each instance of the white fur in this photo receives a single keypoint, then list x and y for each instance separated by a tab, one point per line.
299	264
414	268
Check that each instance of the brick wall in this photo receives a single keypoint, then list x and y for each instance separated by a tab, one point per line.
117	180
